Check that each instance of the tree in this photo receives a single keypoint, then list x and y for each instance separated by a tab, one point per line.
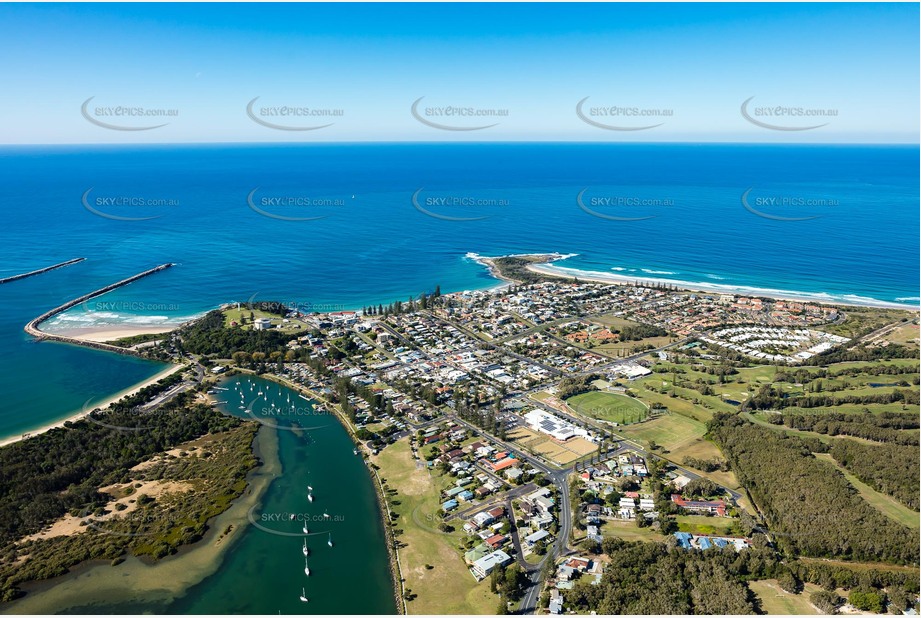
867	600
827	602
789	582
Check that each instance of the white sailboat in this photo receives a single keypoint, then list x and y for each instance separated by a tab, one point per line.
306	569
303	596
310	497
306	549
326	515
330	541
306	531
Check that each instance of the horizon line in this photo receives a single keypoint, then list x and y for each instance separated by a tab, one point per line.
456	142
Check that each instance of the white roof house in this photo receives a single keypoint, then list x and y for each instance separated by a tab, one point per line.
487	564
536	536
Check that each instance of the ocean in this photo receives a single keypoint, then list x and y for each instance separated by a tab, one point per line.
330	227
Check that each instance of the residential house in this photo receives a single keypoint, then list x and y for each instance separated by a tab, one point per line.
487	564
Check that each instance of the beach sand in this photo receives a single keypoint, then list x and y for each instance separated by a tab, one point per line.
93	405
139	581
553	270
101	335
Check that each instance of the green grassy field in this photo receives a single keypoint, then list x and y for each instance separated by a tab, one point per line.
683	379
890	507
671	431
628	531
774	600
448	588
612	407
700	524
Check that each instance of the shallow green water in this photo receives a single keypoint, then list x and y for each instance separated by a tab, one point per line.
263	571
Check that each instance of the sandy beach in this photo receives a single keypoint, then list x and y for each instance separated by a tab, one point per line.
553	270
111	334
103	404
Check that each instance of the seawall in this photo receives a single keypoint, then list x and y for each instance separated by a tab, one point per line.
32	326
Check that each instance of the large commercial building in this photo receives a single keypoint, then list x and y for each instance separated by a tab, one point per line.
554	426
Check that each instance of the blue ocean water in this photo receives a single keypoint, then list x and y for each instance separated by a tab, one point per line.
390	220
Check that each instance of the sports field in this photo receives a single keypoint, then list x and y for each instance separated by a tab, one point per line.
562	453
611	407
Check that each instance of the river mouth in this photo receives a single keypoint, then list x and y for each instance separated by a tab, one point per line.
259	567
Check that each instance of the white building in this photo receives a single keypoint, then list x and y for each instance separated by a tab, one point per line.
554	426
262	324
487	564
632	371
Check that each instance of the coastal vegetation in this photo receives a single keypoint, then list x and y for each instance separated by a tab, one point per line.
657	578
892	469
882	427
818	515
60	476
133	340
515	268
572	386
208	336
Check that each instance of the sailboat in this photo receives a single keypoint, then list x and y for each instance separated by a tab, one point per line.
303	596
306	569
306	549
330	541
306	531
309	488
310	497
325	515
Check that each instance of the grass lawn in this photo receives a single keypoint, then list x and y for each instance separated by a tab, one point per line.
235	315
759	420
671	431
628	531
612	407
774	600
890	507
860	566
705	450
448	588
907	333
700	524
647	390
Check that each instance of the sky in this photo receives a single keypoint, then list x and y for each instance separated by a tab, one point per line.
810	72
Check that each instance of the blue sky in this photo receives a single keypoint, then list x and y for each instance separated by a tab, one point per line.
691	66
